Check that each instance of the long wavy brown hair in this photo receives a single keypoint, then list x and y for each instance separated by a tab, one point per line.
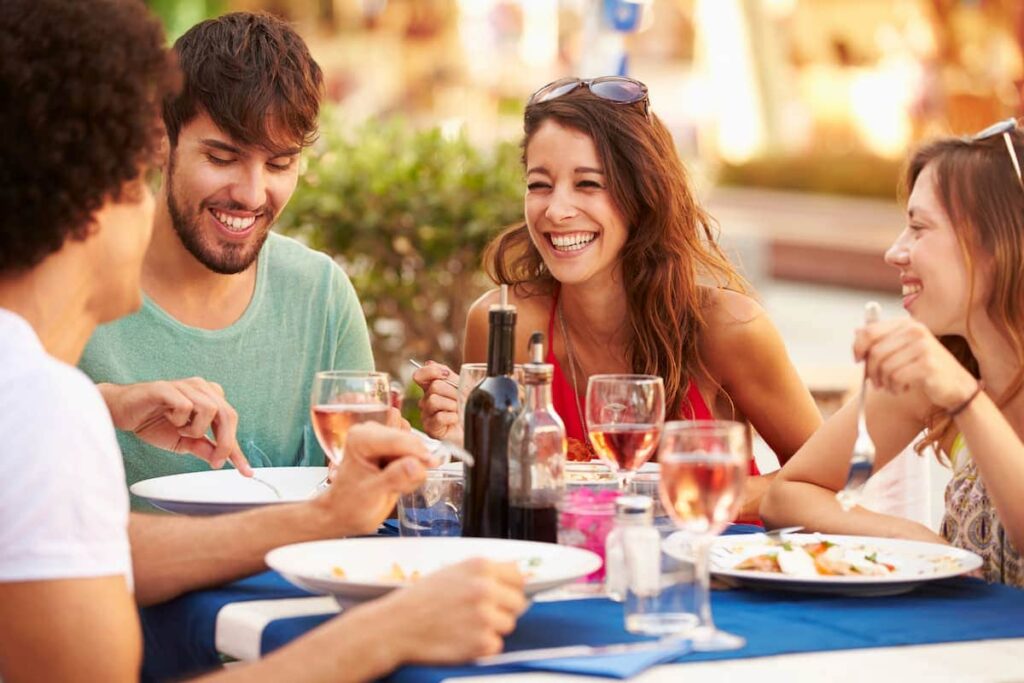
671	248
980	193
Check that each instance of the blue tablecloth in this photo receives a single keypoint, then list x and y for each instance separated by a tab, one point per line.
180	634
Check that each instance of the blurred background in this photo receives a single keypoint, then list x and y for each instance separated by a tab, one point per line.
793	117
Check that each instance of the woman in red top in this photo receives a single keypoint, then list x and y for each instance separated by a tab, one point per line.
618	262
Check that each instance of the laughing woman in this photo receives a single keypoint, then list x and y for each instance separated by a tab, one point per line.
954	369
618	263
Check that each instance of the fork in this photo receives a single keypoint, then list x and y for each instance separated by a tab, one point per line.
449	382
263	458
160	416
862	460
268	485
776	534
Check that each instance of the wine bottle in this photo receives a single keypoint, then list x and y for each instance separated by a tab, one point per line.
536	455
490	410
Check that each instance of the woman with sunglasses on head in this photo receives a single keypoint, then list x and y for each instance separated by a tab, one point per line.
617	262
954	369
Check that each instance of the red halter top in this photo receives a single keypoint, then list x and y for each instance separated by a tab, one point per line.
563	396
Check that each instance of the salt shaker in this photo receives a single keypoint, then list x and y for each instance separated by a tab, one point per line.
632	548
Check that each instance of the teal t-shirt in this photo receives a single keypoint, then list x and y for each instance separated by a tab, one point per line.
304	316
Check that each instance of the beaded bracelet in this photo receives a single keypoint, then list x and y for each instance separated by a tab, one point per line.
960	408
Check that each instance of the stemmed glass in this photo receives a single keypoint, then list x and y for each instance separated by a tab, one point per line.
342	398
625	414
703	469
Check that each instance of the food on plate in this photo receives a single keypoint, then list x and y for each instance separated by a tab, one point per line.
397	574
818	558
588	473
578	451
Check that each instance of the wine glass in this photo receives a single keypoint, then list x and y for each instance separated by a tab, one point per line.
342	398
703	469
624	415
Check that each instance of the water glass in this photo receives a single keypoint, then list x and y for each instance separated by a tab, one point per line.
662	597
471	374
585	517
648	484
433	509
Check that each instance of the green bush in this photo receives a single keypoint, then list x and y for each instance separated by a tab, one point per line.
407	213
180	15
857	174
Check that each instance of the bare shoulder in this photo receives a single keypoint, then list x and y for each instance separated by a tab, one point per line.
479	308
533	311
733	320
739	340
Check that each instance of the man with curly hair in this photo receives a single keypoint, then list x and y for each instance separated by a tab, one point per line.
247	314
80	86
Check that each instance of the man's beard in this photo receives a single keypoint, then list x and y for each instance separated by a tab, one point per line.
226	259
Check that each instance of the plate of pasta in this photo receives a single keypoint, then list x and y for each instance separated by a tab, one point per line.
358	569
826	563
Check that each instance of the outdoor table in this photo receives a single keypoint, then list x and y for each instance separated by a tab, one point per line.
954	629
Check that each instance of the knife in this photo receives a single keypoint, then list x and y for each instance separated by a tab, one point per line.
680	645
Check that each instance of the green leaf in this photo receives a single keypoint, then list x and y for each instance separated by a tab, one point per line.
407	213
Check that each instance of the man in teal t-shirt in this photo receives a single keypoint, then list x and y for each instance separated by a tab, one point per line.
249	315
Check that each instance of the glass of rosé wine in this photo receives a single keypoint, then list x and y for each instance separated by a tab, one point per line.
342	398
703	468
625	414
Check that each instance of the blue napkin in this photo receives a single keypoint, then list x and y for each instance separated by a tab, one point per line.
556	624
621	666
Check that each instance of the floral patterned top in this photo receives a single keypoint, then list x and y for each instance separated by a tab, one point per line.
971	522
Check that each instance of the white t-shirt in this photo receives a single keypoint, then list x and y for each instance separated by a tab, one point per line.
63	498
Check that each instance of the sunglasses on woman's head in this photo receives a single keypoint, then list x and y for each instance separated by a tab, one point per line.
618	89
1003	128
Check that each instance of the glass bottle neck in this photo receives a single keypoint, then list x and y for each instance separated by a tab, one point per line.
501	348
538	397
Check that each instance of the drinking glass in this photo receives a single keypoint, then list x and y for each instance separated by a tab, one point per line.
435	508
625	414
703	469
585	517
649	484
471	374
342	398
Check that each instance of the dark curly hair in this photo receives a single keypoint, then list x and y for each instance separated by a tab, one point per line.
80	87
253	74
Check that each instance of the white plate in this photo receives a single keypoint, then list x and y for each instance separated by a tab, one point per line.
915	563
368	562
219	491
